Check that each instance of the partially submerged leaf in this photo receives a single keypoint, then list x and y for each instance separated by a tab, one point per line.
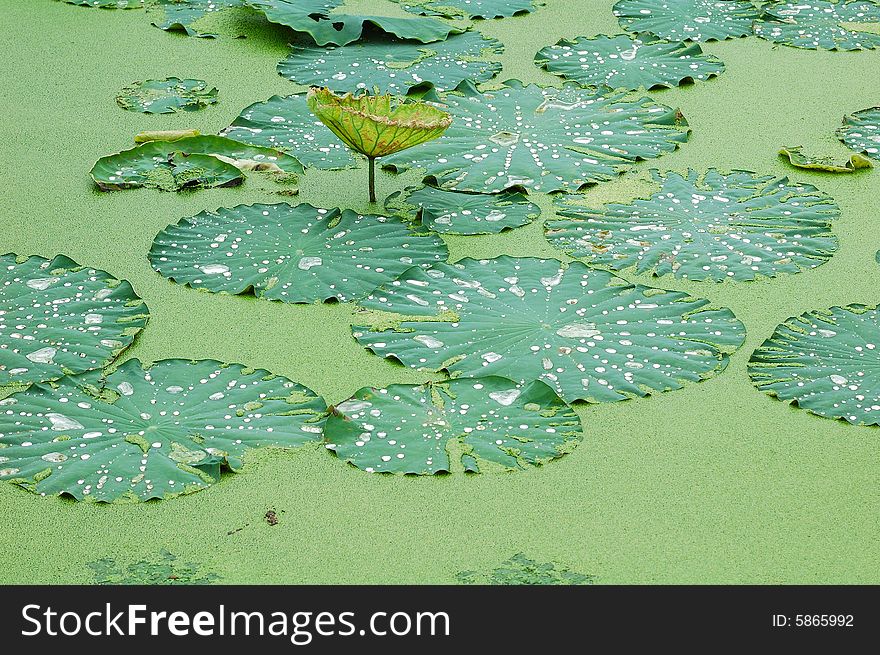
825	361
313	18
107	4
861	132
588	334
166	96
395	66
180	15
287	123
799	159
543	139
150	431
820	25
464	213
628	62
58	318
472	425
470	8
296	254
377	125
164	135
688	20
521	570
199	161
715	226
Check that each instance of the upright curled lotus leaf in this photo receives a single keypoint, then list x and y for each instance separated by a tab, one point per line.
825	361
287	124
166	96
189	162
181	15
588	334
688	20
543	139
58	318
460	9
800	159
628	62
377	125
712	226
861	132
819	25
298	254
394	66
470	425
313	18
150	431
452	212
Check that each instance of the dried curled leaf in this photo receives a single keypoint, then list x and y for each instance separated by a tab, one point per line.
799	159
377	125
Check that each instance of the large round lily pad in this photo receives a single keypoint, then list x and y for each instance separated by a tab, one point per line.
395	66
470	8
825	361
588	334
166	96
453	212
688	20
543	139
712	226
59	318
197	161
296	254
473	425
287	123
861	132
149	431
628	62
819	25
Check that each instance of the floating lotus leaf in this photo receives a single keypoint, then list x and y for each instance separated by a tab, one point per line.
818	25
522	570
800	159
59	318
394	66
474	425
826	361
198	161
715	226
687	20
464	213
588	334
180	15
861	132
543	139
149	431
107	4
313	18
289	125
470	8
295	254
166	96
628	62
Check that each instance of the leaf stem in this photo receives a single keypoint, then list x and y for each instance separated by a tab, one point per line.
372	161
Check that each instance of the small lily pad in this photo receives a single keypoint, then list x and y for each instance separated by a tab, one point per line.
287	123
149	431
543	139
861	132
465	424
715	226
452	212
825	361
800	159
628	62
190	162
461	9
59	318
395	66
819	25
688	20
588	334
296	254
166	96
